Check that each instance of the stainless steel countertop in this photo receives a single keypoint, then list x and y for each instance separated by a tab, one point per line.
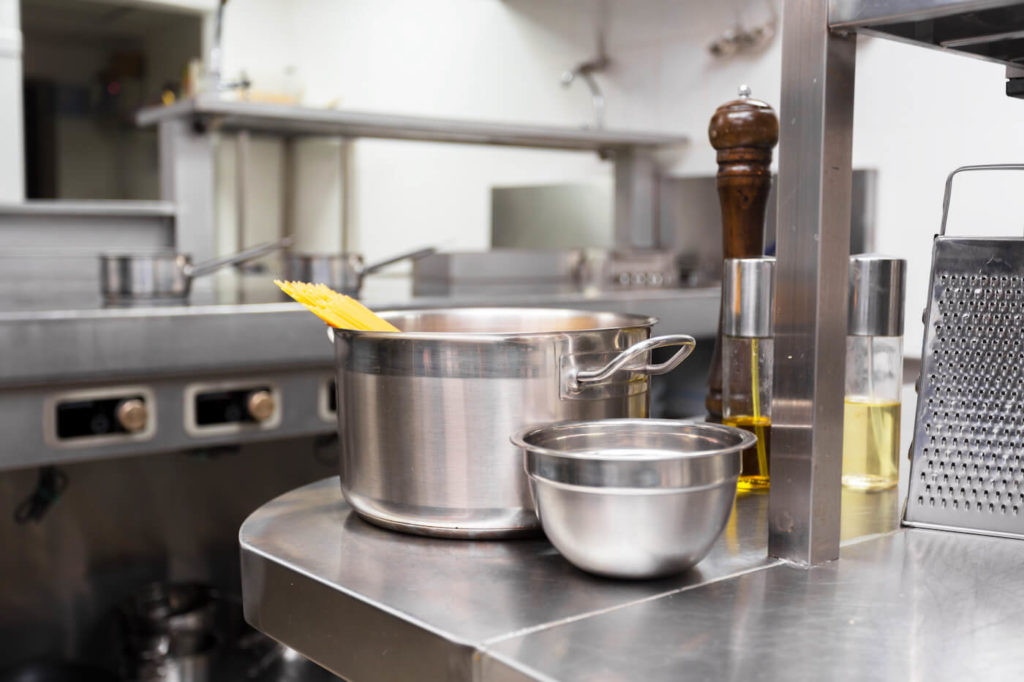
913	605
61	344
62	336
373	604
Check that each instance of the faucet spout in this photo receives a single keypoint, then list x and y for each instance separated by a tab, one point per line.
585	71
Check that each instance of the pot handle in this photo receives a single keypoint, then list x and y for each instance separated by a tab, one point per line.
581	378
210	266
410	255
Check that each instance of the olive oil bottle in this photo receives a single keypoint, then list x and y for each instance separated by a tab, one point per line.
874	373
747	350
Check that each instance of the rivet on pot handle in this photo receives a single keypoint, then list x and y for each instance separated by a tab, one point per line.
578	379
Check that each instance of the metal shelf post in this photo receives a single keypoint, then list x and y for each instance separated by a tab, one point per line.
813	237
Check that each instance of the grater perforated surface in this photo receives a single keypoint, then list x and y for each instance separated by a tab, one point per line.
967	461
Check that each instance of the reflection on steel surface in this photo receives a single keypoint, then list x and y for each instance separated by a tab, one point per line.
316	577
910	605
371	604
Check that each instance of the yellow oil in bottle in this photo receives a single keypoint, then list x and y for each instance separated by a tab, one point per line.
753	460
871	438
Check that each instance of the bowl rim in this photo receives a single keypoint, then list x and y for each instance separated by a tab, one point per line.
519	439
633	490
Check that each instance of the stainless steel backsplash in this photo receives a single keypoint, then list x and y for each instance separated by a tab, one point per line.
689	219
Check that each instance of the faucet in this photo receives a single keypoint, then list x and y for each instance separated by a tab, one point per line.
214	78
585	71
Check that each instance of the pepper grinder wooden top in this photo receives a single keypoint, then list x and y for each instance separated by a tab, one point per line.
744	131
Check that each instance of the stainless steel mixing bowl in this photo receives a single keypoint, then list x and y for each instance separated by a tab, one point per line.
633	498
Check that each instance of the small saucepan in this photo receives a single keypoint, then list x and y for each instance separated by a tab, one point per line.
343	272
164	277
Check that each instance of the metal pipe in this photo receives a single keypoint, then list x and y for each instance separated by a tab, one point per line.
811	285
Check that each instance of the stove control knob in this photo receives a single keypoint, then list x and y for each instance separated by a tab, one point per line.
132	415
260	405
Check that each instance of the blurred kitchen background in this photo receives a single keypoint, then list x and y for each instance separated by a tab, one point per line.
99	152
81	69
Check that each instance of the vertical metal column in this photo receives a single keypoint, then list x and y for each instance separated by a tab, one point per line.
346	150
816	120
186	178
243	186
636	186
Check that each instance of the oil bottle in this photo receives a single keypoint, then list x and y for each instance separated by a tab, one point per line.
874	373
747	350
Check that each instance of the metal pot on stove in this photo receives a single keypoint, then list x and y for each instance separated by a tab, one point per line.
425	415
165	276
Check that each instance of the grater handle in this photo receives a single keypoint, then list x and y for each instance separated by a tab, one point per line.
961	169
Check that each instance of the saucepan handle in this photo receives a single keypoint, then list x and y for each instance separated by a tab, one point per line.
410	255
579	379
210	266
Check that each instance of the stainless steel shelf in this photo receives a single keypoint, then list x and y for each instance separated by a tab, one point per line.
857	13
63	227
987	29
80	208
371	604
293	120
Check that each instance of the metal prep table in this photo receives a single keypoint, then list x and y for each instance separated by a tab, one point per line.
370	604
66	346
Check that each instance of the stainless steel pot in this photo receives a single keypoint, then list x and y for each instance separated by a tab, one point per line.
425	415
166	276
343	272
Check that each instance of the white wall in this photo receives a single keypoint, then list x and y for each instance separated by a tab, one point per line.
12	174
918	114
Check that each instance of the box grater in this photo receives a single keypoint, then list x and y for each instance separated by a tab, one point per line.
966	469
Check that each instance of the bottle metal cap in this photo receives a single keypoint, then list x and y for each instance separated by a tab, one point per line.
748	292
875	305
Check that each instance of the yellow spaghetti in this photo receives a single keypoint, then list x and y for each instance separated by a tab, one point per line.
335	309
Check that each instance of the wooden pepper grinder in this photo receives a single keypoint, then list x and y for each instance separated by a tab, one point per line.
744	131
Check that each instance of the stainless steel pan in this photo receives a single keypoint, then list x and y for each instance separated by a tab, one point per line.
342	272
164	277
